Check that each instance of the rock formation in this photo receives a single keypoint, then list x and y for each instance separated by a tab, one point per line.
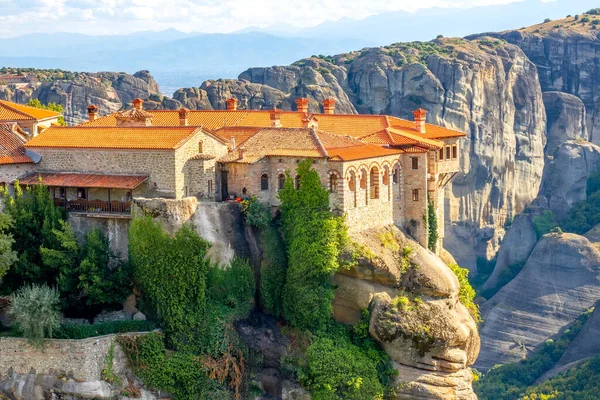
415	314
560	280
565	115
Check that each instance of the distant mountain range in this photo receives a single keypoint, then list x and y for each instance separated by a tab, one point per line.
180	59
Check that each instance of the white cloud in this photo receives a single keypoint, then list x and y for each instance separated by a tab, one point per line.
125	16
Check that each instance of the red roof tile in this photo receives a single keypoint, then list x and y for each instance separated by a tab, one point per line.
12	150
85	180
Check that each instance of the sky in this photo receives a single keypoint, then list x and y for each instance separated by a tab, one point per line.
105	17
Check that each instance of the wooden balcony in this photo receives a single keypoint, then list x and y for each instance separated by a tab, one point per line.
122	208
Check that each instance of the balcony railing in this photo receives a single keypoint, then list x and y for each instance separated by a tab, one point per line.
95	206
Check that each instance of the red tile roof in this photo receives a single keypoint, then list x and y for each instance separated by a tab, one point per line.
12	150
93	137
129	182
10	111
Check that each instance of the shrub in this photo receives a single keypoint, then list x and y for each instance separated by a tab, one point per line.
584	20
273	270
340	370
36	312
544	223
584	215
232	286
466	294
432	226
547	20
256	213
594	11
7	255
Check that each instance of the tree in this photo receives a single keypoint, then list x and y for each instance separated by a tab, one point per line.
36	312
432	226
170	272
7	255
314	239
34	219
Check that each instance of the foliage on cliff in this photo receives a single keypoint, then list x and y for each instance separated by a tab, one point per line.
314	239
584	215
466	294
7	255
511	381
273	271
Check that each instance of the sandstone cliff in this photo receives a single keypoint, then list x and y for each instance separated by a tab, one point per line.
110	91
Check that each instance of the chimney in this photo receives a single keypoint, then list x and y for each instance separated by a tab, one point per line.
276	118
302	105
231	104
240	154
183	116
233	143
310	121
420	120
138	103
329	105
92	112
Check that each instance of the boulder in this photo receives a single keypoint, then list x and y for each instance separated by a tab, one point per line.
138	316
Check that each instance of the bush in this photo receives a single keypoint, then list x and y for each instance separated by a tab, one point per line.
7	255
584	20
233	286
273	270
584	215
36	312
547	20
83	331
256	213
466	294
432	226
544	223
340	370
594	11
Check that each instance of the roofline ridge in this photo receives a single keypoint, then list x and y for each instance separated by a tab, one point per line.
320	146
3	102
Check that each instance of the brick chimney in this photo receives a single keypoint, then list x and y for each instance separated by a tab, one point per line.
138	103
310	121
183	116
232	103
92	112
276	118
302	105
329	105
420	119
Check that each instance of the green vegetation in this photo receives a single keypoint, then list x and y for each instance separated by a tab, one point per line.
256	214
584	20
432	226
314	239
108	373
505	276
7	255
36	312
547	20
544	223
51	107
273	271
584	215
466	294
593	11
581	383
510	381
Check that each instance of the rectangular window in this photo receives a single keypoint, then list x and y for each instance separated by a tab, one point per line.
454	151
415	193
447	152
210	187
415	163
441	153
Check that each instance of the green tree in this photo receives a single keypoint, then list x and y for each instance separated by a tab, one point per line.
314	239
36	312
7	255
171	274
432	226
273	270
34	219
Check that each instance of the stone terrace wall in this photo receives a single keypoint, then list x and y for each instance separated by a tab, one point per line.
80	359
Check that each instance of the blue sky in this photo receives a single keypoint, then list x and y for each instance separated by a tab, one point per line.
96	17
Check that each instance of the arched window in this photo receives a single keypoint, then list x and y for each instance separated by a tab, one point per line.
333	183
374	175
363	179
264	182
280	181
386	175
200	147
297	182
352	181
396	175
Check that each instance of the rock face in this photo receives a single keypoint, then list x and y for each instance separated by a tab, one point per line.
566	173
560	280
110	91
429	335
565	115
567	61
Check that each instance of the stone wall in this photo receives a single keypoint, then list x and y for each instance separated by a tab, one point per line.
198	177
79	359
115	228
158	165
10	172
415	207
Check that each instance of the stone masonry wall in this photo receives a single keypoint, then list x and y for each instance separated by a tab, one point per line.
158	165
10	172
80	359
414	210
193	176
